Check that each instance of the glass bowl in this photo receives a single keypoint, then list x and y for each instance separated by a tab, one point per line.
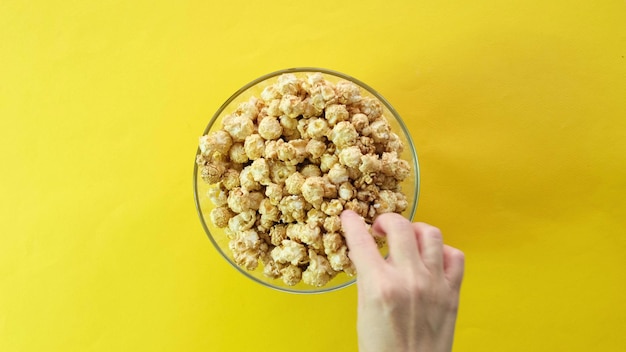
410	186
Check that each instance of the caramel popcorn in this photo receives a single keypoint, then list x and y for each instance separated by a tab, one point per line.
285	165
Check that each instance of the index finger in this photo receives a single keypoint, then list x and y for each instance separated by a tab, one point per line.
363	249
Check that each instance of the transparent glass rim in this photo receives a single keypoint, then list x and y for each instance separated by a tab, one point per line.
265	77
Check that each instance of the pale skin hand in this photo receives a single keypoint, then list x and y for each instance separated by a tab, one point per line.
409	301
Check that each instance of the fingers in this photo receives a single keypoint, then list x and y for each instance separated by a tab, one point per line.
400	238
453	266
363	250
430	244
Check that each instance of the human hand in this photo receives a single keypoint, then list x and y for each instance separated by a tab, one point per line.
409	301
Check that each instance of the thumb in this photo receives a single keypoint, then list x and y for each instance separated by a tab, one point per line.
363	249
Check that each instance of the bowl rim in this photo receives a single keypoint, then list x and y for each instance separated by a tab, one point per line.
265	77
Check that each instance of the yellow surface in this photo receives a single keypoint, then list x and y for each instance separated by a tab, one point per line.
518	110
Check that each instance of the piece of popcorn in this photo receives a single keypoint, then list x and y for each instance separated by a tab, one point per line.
386	202
310	170
273	109
357	206
237	153
274	193
394	144
249	109
290	252
246	179
293	208
347	93
254	146
401	202
313	106
338	174
315	78
239	127
343	135
350	156
217	141
270	93
273	269
313	191
380	130
255	199
360	122
279	171
370	164
319	271
271	149
335	114
327	161
317	128
218	196
270	128
230	179
371	107
368	193
278	233
212	173
238	200
367	145
246	248
290	127
220	216
386	182
393	166
315	217
330	189
287	152
242	221
332	207
291	275
354	173
300	146
294	182
338	259
260	171
332	224
307	233
332	241
287	83
291	105
346	191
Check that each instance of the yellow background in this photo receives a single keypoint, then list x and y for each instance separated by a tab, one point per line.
517	108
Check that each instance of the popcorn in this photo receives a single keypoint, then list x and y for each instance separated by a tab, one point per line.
220	216
270	128
313	190
217	141
237	153
319	271
309	234
218	196
254	146
239	127
311	170
336	113
350	157
242	221
287	163
291	275
332	223
291	252
344	134
293	183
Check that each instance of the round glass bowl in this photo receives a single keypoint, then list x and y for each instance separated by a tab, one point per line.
410	186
